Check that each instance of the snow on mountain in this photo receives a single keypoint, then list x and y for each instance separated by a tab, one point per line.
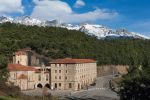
5	19
90	29
27	21
103	32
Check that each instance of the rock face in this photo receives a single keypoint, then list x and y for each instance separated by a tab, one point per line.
96	30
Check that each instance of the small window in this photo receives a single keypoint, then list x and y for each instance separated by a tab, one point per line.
18	62
46	77
55	77
59	65
59	77
59	71
66	77
70	85
59	84
55	85
66	71
55	65
55	71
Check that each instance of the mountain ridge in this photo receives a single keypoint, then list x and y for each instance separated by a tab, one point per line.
91	29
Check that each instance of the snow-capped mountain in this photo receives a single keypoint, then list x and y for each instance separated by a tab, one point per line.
26	20
90	29
5	19
104	32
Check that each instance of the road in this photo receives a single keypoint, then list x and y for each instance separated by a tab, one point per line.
101	89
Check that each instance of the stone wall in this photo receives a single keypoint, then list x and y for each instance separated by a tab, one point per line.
111	69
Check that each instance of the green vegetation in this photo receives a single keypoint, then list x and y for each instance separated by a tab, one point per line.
136	84
56	42
8	98
60	43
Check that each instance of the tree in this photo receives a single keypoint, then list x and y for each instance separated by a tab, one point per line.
136	84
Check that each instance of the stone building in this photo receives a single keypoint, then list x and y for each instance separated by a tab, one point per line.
27	57
28	70
72	74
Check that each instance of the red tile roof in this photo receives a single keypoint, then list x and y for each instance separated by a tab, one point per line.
22	76
19	67
72	61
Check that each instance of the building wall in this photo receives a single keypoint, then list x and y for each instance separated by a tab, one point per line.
85	75
21	59
24	84
32	79
72	76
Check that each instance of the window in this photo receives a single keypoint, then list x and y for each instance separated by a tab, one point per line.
70	85
59	71
39	77
55	77
59	77
55	65
59	65
55	85
55	71
66	77
66	71
46	77
59	84
18	62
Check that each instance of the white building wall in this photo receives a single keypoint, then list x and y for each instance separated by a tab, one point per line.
22	59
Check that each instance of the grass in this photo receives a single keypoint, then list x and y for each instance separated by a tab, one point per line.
8	98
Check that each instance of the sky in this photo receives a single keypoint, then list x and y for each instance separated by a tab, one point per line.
133	15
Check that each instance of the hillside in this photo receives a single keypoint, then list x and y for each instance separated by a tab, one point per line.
56	42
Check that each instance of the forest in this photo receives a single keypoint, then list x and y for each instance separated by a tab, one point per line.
55	42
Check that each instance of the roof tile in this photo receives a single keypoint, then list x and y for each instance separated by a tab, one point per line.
19	67
72	61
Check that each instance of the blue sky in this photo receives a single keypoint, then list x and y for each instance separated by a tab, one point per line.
133	15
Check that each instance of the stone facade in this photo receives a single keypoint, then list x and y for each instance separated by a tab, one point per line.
72	74
27	77
28	71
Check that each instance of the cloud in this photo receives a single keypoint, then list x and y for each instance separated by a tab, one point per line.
10	6
79	3
56	9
